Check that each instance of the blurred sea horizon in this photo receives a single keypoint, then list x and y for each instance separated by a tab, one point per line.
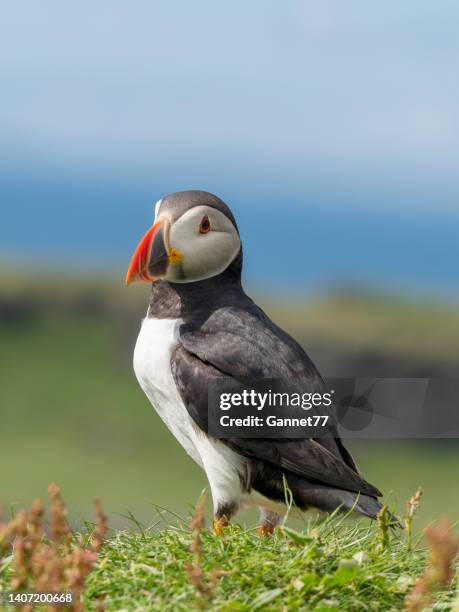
297	242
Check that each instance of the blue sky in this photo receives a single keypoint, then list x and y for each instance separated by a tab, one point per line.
327	105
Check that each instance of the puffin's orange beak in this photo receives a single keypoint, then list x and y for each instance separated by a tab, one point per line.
151	258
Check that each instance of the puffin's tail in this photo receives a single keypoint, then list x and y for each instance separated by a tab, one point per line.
370	506
329	499
366	505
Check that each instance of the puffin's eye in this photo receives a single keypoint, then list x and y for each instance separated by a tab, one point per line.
204	226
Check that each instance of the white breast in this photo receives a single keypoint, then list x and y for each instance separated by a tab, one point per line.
152	365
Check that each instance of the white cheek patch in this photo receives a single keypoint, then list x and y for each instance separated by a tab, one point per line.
210	256
157	205
204	255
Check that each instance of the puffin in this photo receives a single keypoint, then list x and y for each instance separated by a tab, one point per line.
201	326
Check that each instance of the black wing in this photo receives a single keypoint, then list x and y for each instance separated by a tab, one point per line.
247	345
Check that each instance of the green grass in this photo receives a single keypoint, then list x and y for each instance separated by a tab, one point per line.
337	565
332	566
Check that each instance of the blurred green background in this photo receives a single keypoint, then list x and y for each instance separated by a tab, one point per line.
72	411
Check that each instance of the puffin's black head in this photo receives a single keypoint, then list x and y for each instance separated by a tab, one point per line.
194	237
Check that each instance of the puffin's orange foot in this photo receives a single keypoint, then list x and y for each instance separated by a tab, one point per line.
265	529
219	524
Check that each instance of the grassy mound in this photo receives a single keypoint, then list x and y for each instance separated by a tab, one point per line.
333	566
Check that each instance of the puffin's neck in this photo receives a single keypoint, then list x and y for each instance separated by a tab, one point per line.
184	300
